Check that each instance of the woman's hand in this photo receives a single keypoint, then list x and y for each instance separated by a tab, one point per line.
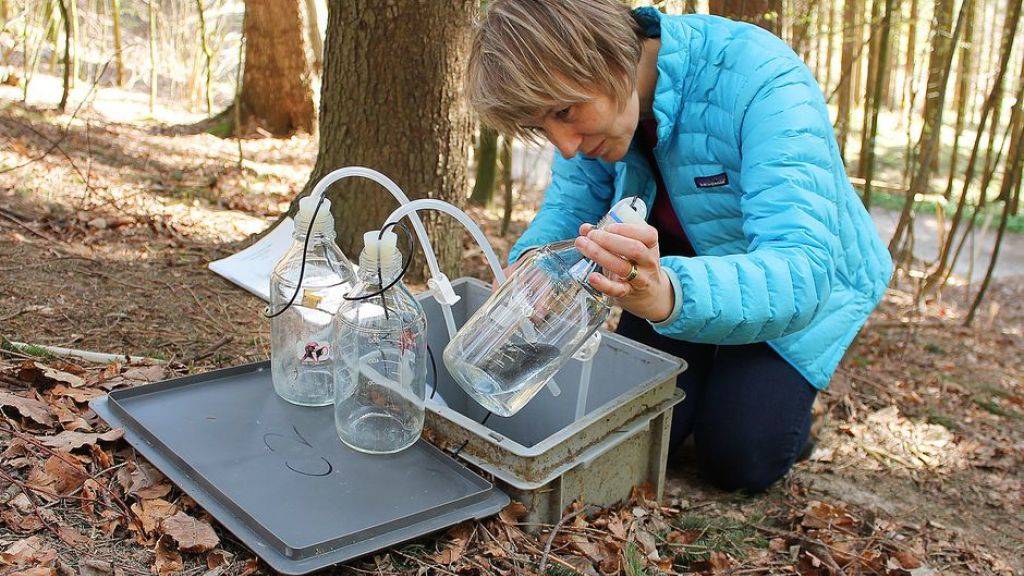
649	295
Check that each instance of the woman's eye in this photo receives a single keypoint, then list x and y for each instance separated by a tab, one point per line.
563	113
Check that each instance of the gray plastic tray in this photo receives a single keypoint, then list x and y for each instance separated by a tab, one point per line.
277	476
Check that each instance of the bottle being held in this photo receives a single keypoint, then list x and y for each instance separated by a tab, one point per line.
533	323
302	357
380	336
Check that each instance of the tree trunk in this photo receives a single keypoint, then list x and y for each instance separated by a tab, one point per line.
850	33
507	183
486	167
909	67
829	42
1017	166
881	74
152	55
765	13
118	57
929	141
76	45
400	111
1012	174
962	95
316	41
277	89
67	55
1006	48
870	104
207	56
940	58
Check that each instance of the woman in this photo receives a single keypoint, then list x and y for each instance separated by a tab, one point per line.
759	263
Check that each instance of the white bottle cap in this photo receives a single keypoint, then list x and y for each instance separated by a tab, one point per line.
324	223
630	210
378	247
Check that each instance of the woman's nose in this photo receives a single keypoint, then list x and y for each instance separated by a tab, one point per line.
565	139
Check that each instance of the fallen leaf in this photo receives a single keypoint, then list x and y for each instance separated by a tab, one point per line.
146	373
36	571
777	545
649	543
67	474
73	537
152	513
28	407
218	558
459	535
80	395
719	561
191	534
907	560
513	513
251	566
95	567
168	561
143	480
28	550
67	441
19	523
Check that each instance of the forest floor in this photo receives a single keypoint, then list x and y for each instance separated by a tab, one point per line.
106	227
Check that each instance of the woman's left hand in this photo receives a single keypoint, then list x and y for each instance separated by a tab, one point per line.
650	294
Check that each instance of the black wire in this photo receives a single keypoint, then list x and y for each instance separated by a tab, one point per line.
466	441
433	370
302	267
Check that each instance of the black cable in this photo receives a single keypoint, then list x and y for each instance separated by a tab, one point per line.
433	370
302	267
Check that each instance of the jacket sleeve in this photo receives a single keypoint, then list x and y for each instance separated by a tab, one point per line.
581	190
789	211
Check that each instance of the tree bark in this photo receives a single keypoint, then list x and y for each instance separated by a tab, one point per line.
937	68
850	33
153	77
316	41
870	104
1009	34
962	95
392	100
868	154
829	42
207	56
929	141
507	183
1012	174
277	88
765	13
118	57
486	167
909	66
67	55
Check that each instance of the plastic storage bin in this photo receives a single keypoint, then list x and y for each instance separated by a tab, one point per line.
544	456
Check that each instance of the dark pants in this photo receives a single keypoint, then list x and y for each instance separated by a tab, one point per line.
749	411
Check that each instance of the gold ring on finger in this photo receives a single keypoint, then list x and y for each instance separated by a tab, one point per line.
632	272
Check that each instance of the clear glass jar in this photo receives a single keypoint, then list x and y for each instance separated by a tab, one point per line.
301	357
530	327
381	378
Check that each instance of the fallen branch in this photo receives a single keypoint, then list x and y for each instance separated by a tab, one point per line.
551	537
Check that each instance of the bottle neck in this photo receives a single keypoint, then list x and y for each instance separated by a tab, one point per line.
317	237
382	275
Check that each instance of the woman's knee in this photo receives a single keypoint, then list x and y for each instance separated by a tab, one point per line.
744	460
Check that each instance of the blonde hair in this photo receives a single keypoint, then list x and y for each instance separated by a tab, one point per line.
530	55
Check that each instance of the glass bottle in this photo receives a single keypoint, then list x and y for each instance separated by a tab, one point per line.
530	327
381	339
301	357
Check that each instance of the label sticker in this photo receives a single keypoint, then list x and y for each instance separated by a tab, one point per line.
310	299
315	352
712	181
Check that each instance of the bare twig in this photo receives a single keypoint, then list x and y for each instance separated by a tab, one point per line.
554	531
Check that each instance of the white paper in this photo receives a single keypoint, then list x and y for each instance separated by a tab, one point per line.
251	267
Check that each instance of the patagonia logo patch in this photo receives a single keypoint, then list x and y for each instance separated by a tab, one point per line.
711	181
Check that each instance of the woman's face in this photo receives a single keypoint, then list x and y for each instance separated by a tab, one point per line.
597	128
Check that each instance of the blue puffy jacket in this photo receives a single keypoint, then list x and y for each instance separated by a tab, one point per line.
786	251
